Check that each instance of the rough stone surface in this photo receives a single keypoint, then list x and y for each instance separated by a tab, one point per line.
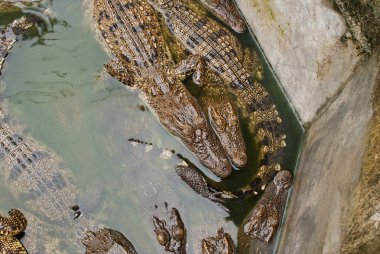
302	41
362	227
329	168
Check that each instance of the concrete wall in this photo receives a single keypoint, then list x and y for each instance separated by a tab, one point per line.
329	169
330	86
302	41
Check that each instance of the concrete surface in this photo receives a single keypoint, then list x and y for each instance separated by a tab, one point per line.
301	39
362	226
330	85
329	169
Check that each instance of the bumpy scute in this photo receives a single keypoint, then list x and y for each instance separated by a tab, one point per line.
10	226
265	218
107	240
131	32
220	244
170	231
222	52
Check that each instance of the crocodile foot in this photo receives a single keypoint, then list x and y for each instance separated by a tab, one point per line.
228	12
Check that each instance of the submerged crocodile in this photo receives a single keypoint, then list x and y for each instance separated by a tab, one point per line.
227	11
221	243
223	54
260	226
35	175
170	232
132	34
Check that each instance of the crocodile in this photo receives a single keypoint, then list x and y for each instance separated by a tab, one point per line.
222	53
227	11
170	232
10	226
221	243
106	240
131	32
261	225
34	174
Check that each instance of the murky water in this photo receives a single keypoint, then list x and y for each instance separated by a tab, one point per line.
54	87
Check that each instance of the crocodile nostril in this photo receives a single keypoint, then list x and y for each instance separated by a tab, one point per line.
225	171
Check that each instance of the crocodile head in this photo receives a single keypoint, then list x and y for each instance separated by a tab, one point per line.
221	243
226	124
13	224
283	180
182	115
171	233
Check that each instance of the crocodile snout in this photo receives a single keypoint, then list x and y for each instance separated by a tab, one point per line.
223	170
240	159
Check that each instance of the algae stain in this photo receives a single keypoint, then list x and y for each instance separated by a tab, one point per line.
265	7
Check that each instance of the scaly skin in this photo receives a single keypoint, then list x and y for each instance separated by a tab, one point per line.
33	174
131	32
10	226
107	240
220	244
171	232
222	53
262	223
204	37
225	122
227	11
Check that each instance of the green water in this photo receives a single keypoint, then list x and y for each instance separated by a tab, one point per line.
54	86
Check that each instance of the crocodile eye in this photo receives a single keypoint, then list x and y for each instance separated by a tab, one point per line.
163	238
178	233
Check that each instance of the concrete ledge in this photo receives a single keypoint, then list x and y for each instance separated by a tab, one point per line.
302	41
329	168
330	86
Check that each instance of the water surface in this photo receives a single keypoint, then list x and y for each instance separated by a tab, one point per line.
54	87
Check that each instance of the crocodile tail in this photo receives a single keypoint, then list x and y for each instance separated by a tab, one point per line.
266	122
271	137
196	181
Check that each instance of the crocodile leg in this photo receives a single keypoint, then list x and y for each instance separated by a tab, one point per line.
116	69
171	231
262	223
193	64
221	243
